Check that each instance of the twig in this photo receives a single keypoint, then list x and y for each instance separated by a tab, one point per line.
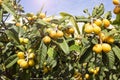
7	17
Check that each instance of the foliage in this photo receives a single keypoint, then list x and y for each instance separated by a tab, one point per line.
66	53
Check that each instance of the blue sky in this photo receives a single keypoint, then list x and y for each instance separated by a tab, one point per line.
74	7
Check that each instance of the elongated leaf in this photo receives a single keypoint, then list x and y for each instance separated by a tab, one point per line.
117	20
98	10
75	48
86	54
73	21
111	59
1	44
3	77
8	8
83	20
81	17
63	45
12	35
50	52
85	46
21	47
64	14
7	47
11	61
75	24
41	22
1	16
116	50
94	12
54	63
42	53
108	15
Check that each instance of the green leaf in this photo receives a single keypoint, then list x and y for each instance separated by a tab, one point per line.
13	35
72	19
94	12
64	14
53	63
21	47
75	24
80	17
8	8
117	20
63	45
108	15
42	53
11	61
1	14
41	22
85	45
7	47
83	20
112	32
86	54
50	52
75	48
98	11
116	50
1	44
3	77
111	59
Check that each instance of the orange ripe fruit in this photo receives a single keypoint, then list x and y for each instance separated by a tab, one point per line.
106	47
98	22
106	23
42	15
18	24
52	34
31	62
96	29
116	2
1	2
29	18
31	56
24	64
19	61
70	30
87	76
97	48
110	39
116	10
59	34
21	55
46	39
102	36
88	28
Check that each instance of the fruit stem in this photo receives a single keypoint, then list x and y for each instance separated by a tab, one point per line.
26	53
100	40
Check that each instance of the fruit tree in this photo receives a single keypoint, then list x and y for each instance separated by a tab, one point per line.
41	47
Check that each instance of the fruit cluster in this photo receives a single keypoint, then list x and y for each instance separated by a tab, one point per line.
96	28
98	48
94	70
117	6
26	59
24	40
56	34
78	76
